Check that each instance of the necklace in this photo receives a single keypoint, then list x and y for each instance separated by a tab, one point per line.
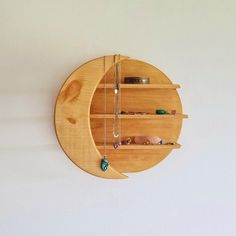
117	110
105	161
117	103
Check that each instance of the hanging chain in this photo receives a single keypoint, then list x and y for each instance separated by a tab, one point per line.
105	162
116	90
119	78
117	103
105	108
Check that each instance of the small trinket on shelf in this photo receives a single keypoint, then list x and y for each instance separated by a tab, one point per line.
133	113
170	143
161	112
144	140
136	80
173	112
147	140
127	141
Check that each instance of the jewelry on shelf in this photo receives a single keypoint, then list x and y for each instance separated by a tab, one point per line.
148	140
127	141
136	80
157	112
164	112
133	113
145	140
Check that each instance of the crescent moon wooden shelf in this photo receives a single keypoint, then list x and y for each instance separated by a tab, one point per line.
79	116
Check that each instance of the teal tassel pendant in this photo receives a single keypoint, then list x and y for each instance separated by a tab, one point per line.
104	164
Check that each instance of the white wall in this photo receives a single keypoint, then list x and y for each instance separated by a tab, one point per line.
192	192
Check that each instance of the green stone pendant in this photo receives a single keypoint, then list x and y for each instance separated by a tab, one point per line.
104	164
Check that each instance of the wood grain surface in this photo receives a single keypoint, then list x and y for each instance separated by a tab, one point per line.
79	116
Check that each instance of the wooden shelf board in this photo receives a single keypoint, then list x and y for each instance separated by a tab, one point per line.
149	116
138	147
142	86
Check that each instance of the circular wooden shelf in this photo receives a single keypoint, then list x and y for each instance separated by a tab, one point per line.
79	116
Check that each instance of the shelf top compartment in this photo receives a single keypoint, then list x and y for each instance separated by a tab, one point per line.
140	147
148	116
141	86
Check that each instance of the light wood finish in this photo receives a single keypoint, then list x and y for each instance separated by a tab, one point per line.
72	117
138	127
79	118
142	86
161	93
138	116
142	147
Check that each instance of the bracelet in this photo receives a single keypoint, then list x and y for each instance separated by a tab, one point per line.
136	80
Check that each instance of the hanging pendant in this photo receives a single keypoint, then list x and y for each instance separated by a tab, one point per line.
116	126
104	164
116	88
116	145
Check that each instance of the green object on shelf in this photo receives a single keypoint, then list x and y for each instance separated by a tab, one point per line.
161	112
